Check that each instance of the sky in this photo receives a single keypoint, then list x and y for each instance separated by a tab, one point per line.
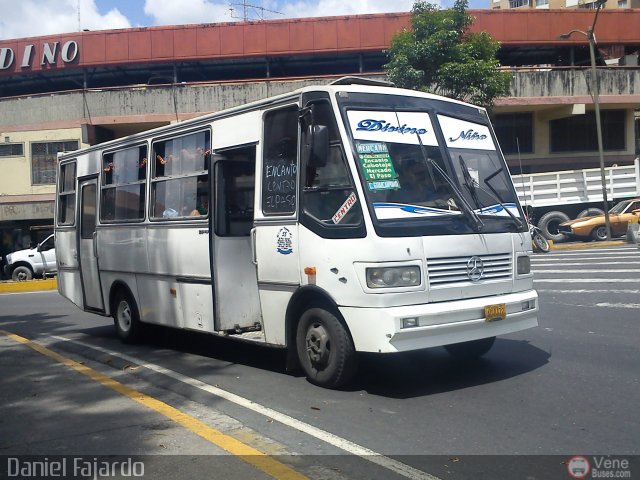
26	18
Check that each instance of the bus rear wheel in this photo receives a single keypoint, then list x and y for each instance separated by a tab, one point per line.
126	318
325	349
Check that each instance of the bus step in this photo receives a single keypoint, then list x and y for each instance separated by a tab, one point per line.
254	336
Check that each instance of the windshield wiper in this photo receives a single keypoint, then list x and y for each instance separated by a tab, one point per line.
469	181
497	198
476	223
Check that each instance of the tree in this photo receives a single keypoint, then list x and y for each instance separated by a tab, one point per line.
439	55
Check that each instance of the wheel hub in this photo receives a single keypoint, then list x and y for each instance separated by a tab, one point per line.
124	316
318	344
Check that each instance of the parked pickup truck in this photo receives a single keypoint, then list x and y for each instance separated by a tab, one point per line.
39	261
553	198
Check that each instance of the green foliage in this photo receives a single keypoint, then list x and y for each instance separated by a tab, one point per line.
440	55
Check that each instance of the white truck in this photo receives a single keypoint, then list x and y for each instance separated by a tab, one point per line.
38	261
555	197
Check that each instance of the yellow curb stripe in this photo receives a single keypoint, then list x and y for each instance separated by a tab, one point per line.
29	286
586	245
247	453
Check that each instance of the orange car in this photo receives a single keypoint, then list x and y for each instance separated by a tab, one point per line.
594	227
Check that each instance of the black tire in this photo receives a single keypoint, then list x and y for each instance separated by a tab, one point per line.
599	234
325	349
541	243
548	224
470	350
126	318
21	273
590	212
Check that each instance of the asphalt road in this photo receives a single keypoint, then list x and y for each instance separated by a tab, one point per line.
568	387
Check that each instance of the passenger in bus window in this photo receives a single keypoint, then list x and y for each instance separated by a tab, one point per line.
203	206
171	202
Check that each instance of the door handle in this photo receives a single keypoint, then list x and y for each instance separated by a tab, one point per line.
254	255
95	245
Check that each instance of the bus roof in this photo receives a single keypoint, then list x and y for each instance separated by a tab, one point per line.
344	84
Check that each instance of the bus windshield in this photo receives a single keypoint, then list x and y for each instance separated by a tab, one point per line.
407	177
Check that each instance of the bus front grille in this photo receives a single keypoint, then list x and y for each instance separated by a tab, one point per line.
456	271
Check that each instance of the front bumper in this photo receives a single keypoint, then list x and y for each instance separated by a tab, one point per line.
380	329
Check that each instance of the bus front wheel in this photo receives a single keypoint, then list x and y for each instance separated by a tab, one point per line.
325	349
126	318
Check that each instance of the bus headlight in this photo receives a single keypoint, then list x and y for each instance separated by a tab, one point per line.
387	277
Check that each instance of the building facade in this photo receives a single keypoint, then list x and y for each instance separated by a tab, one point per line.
62	92
559	4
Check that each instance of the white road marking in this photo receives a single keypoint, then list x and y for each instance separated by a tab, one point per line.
327	437
30	293
619	305
562	270
585	280
591	264
581	291
624	258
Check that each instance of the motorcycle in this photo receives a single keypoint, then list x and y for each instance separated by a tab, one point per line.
540	243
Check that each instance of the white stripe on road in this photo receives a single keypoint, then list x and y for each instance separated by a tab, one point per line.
620	270
582	291
585	280
31	292
327	437
619	305
591	264
579	258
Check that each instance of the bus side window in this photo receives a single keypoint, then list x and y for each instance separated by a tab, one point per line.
123	188
280	162
328	194
235	190
179	182
67	194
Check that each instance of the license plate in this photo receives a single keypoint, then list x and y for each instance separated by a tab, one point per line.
493	313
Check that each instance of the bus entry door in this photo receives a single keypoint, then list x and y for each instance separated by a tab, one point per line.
92	291
237	304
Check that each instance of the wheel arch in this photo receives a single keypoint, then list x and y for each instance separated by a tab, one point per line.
304	298
21	263
118	286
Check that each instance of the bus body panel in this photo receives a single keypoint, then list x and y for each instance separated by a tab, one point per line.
236	285
70	286
278	250
196	306
178	250
274	300
235	130
122	248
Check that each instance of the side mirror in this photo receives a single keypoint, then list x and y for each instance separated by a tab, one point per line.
316	146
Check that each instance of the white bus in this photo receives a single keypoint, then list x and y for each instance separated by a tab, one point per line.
336	219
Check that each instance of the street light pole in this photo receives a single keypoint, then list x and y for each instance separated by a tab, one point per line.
595	93
595	87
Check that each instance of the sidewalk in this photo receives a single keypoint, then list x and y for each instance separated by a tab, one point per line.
9	286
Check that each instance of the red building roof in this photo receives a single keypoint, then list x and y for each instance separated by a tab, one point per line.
310	36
